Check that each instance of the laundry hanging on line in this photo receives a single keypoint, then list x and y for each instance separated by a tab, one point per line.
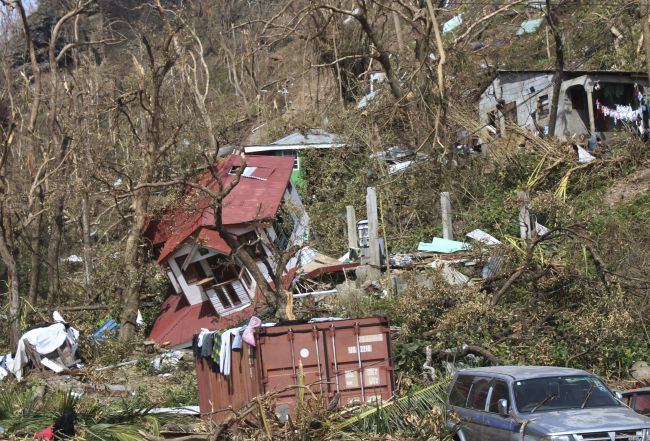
622	112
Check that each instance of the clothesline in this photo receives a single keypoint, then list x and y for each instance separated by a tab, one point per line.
622	112
217	346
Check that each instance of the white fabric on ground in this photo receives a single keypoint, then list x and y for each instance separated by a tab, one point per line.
45	340
57	317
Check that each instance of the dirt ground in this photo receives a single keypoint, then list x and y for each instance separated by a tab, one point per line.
634	185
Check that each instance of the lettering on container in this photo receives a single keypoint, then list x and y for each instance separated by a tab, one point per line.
362	349
371	338
371	376
351	379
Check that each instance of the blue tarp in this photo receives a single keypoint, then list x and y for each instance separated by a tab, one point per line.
440	245
452	24
529	26
106	327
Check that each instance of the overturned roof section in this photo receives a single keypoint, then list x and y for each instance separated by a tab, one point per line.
256	198
310	139
178	321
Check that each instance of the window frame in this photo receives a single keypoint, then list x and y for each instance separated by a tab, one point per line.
543	106
197	274
456	381
491	393
478	378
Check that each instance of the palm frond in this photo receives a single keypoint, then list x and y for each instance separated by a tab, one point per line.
389	417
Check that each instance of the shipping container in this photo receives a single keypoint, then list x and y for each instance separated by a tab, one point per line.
349	357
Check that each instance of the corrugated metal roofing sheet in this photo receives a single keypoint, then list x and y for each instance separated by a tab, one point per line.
252	200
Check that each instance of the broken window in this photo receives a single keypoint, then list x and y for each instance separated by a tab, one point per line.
223	268
227	295
543	106
223	298
253	244
193	272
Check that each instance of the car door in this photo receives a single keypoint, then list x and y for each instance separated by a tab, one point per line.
457	414
497	427
475	415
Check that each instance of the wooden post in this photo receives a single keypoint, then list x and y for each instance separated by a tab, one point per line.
524	216
353	239
445	213
373	228
398	32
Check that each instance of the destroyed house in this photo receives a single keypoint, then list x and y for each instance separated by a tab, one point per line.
211	288
293	145
589	102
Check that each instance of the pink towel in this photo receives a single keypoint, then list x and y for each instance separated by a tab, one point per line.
248	336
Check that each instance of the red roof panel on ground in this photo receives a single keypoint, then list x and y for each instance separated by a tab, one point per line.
178	321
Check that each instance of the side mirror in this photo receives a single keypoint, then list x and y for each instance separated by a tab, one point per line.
618	395
503	407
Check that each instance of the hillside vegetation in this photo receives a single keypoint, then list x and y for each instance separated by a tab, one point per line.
103	114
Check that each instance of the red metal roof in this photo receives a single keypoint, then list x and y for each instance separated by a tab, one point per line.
178	321
255	198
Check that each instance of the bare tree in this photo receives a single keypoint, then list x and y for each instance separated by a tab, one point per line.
558	75
155	139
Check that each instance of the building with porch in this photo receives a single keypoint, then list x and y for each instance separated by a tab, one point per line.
590	101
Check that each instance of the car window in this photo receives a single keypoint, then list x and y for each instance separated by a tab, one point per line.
556	393
499	391
478	393
460	390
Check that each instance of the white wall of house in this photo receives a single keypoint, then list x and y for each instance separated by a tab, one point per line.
523	89
193	292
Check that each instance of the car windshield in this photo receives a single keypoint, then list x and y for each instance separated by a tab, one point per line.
556	393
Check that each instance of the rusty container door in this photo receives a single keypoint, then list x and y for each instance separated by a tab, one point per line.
219	393
351	358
